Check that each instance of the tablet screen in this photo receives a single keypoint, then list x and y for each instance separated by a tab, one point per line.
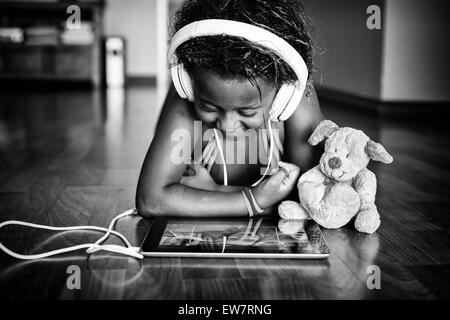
258	238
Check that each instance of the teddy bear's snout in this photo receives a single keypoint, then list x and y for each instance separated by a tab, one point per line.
334	163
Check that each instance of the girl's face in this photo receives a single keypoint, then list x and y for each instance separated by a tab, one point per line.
231	105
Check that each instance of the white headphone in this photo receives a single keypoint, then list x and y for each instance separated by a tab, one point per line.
288	96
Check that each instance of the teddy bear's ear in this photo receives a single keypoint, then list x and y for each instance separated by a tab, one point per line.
323	130
377	152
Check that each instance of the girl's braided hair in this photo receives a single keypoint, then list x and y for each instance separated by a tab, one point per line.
234	57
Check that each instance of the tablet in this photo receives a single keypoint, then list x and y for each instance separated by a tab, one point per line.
235	238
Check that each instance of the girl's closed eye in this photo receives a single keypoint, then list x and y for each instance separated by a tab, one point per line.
208	108
248	112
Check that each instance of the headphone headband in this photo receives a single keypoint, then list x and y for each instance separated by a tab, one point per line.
212	27
288	96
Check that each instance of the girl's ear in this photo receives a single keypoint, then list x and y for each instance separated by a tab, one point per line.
377	152
323	130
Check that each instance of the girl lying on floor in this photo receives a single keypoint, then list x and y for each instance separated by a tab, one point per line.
233	131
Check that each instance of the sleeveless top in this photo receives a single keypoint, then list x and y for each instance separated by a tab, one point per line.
211	151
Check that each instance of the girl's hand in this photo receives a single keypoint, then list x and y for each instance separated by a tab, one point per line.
278	186
198	177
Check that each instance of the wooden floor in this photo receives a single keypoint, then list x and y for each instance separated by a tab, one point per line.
73	158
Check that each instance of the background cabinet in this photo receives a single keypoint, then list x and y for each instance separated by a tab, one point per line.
35	43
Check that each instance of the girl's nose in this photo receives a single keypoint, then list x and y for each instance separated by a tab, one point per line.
227	122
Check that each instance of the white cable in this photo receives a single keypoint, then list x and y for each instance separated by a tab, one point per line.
224	243
108	247
110	229
219	146
269	126
225	175
41	226
91	247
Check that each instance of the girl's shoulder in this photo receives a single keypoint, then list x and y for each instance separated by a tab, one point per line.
307	115
175	113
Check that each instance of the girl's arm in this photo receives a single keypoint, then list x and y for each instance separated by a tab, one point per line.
159	189
199	177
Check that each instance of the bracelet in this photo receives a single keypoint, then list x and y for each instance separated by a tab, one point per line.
255	204
255	207
248	205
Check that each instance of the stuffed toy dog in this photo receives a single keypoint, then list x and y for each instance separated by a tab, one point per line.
341	186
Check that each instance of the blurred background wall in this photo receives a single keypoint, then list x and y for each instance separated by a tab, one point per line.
136	21
416	51
348	56
407	60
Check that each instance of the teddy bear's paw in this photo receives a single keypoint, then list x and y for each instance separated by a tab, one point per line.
311	193
290	226
330	217
291	210
368	220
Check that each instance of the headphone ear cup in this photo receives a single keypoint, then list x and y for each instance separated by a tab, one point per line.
182	82
280	102
187	83
296	96
174	71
